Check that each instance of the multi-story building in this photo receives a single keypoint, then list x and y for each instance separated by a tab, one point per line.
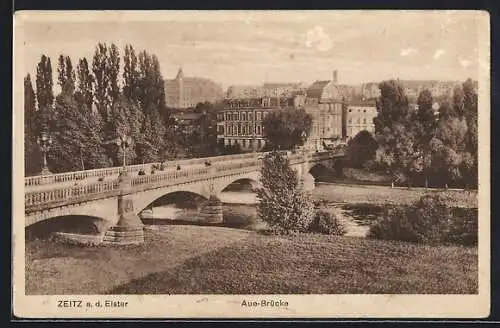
186	92
327	102
359	117
336	115
240	122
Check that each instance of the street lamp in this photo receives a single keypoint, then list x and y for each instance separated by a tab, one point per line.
44	141
124	142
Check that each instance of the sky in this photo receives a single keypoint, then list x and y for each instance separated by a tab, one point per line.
256	47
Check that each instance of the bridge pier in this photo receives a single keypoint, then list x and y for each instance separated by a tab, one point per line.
129	228
211	210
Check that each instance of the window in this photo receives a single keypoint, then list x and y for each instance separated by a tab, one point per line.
259	130
243	116
244	129
250	116
364	121
259	116
239	129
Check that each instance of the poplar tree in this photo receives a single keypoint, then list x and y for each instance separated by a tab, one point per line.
101	80
32	164
44	84
85	83
130	74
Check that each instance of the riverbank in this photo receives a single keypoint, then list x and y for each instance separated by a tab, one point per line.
225	260
380	195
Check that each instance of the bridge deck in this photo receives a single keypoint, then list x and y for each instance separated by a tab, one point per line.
47	196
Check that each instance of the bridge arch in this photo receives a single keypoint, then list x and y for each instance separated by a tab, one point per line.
74	223
181	198
146	199
241	184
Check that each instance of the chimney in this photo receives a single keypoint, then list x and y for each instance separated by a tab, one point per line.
335	77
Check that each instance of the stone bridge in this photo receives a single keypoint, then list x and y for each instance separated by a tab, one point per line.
117	204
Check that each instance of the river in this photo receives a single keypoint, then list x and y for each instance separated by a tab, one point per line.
240	211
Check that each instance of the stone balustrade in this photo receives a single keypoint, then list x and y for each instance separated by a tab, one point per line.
169	176
77	193
63	194
80	175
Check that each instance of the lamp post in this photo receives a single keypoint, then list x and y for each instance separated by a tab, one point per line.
124	141
44	141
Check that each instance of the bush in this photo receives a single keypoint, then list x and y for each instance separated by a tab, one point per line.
465	229
327	223
428	221
361	149
282	203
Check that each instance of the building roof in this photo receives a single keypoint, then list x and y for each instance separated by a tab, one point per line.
363	103
315	90
327	90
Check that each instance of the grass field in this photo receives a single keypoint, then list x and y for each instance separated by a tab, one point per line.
340	193
193	259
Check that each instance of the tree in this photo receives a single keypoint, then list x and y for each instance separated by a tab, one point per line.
424	129
361	149
32	159
397	150
447	150
130	74
85	83
282	203
44	84
203	138
65	71
287	128
112	70
101	80
126	119
61	71
471	113
392	106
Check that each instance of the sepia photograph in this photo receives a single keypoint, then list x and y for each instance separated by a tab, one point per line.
251	164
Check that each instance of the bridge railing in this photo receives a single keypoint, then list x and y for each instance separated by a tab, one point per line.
76	193
169	176
63	194
80	175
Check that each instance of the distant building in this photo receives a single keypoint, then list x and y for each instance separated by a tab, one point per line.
240	122
186	92
266	90
327	102
360	117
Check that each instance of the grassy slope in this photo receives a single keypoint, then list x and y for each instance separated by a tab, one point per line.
223	260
